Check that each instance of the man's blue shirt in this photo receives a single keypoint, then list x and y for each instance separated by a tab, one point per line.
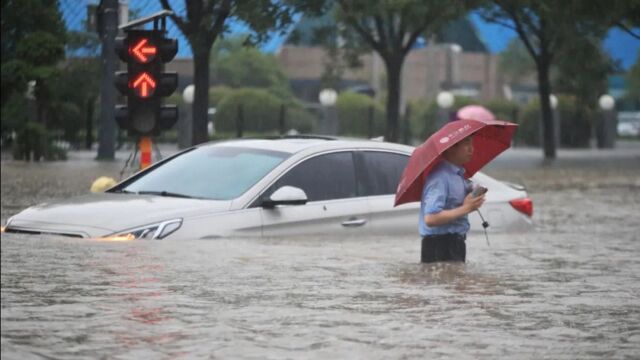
444	189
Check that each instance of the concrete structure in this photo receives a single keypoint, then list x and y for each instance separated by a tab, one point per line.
426	71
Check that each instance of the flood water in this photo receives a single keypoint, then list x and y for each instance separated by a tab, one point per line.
567	290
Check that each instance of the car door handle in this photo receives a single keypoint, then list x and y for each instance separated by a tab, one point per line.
354	222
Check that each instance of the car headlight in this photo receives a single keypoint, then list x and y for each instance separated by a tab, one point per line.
6	224
156	231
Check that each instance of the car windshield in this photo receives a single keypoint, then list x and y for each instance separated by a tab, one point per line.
213	172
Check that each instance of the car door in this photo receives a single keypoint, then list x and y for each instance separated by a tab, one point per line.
378	176
333	208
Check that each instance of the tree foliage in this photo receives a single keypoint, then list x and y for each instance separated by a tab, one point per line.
239	65
515	62
547	29
391	29
33	36
204	21
633	81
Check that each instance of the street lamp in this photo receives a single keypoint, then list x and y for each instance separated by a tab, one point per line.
188	93
185	122
606	127
328	98
606	102
445	100
553	101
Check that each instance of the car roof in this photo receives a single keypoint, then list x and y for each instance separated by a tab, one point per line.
296	144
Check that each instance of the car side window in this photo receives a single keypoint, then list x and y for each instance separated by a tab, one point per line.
379	172
324	177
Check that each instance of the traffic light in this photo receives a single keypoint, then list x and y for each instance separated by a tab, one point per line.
145	82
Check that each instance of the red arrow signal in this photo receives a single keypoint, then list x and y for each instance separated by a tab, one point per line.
144	85
143	51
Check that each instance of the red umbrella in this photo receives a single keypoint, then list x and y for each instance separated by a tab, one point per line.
491	137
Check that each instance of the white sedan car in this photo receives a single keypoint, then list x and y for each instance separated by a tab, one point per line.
291	186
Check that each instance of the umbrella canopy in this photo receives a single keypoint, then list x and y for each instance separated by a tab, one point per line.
490	138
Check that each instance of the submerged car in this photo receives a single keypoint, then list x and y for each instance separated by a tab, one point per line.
288	186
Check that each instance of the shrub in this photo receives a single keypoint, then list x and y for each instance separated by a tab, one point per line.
353	112
216	93
422	119
504	109
575	122
528	132
32	143
260	112
424	115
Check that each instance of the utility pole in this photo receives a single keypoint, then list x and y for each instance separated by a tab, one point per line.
108	29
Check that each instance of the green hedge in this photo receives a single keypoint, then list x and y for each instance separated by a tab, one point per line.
575	124
33	143
353	112
422	119
260	112
424	115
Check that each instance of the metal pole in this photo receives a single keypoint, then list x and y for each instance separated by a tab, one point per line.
108	32
89	124
283	112
370	121
239	121
406	130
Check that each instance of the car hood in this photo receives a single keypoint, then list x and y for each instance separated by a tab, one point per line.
105	213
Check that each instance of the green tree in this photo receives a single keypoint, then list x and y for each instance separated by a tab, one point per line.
33	36
585	80
391	29
239	65
515	61
78	87
545	27
633	82
203	21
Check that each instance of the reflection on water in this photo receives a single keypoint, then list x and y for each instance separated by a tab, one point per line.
567	290
523	297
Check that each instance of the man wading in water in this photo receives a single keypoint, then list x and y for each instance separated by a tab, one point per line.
446	202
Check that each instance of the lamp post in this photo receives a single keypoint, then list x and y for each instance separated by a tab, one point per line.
445	101
329	124
606	127
185	122
553	100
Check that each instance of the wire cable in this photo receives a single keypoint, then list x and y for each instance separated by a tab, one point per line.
485	225
132	158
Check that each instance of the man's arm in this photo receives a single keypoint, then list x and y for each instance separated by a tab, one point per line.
446	216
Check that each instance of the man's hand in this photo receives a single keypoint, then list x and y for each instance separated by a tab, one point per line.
446	216
472	203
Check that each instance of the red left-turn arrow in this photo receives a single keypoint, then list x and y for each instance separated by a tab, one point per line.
143	51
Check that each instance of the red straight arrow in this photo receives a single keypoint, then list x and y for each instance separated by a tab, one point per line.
146	83
140	51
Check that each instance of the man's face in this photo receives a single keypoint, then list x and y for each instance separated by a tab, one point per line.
460	153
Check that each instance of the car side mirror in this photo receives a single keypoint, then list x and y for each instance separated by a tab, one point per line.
286	195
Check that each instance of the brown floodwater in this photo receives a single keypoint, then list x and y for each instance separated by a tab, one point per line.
567	290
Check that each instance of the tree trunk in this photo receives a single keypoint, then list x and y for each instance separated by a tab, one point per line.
544	90
394	71
201	96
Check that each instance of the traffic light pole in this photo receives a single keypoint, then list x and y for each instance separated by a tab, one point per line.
145	83
145	145
108	32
